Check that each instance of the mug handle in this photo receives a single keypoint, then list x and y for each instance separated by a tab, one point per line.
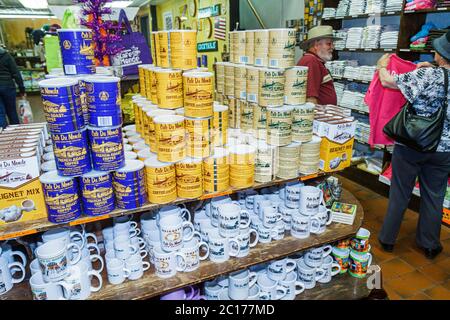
78	256
317	224
133	224
99	278
93	246
247	223
133	232
133	248
338	270
236	252
320	273
204	244
145	265
188	214
370	260
188	224
95	257
329	217
66	289
21	267
301	285
326	250
292	263
255	242
197	234
126	273
191	294
91	235
183	265
143	253
252	278
20	255
281	292
76	234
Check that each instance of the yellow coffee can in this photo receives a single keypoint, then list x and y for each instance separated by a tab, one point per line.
265	161
199	133
189	178
229	79
246	118
148	80
169	87
261	39
302	122
146	107
183	49
198	94
146	154
220	125
295	85
170	137
162	49
252	84
242	165
220	76
151	126
240	82
216	171
160	180
234	112
153	85
279	125
282	48
142	79
249	46
259	121
153	48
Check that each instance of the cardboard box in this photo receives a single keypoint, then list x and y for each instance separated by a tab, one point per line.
335	156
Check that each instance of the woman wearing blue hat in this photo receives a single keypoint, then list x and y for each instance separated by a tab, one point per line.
426	89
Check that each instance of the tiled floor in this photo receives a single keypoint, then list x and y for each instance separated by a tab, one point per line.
407	274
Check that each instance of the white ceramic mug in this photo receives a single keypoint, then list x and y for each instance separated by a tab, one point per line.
173	232
325	218
266	235
136	266
205	228
308	275
257	200
279	228
64	233
80	281
245	244
198	217
331	269
183	213
270	289
287	214
270	216
310	200
41	290
212	290
220	249
249	198
6	279
302	226
124	227
54	259
7	252
215	202
168	263
231	219
123	247
35	267
254	293
239	284
314	257
192	253
117	273
292	195
88	258
278	269
292	285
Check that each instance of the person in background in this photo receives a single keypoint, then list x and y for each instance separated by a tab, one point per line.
319	47
8	74
424	89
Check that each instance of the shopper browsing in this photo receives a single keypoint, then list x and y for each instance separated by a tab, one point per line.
424	89
8	74
319	47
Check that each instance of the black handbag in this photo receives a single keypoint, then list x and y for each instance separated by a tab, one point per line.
420	133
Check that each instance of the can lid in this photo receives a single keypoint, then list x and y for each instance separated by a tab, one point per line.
127	147
101	79
168	70
191	160
94	174
103	128
146	153
53	177
160	112
198	74
220	108
146	65
153	162
241	149
298	68
315	139
173	118
175	31
57	82
48	156
179	111
130	155
48	166
131	165
282	108
131	127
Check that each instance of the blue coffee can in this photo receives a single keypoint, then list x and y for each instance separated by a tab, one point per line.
77	51
72	153
61	197
59	87
97	193
103	90
128	205
105	119
106	148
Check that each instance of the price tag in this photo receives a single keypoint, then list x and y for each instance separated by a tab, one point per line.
355	16
89	219
18	234
368	49
442	9
405	50
387	50
391	12
351	49
216	194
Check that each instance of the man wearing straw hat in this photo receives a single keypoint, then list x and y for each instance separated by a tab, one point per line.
319	49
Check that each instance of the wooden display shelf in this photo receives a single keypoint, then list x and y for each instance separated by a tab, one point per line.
363	16
30	227
366	50
431	10
150	285
351	80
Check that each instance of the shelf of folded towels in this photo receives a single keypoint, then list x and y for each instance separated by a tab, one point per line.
369	38
351	9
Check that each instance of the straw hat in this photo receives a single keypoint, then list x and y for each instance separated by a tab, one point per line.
318	33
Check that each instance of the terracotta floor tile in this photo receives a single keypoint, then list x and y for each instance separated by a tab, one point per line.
438	293
419	296
415	259
435	273
394	268
445	233
381	256
446	284
409	284
392	294
366	194
444	263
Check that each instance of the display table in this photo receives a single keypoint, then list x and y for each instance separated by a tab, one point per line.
341	287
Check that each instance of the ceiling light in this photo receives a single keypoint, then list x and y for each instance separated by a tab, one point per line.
27	16
118	4
34	4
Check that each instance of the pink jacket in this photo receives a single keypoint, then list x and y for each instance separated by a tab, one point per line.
384	103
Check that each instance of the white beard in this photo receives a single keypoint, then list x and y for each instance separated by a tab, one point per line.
326	57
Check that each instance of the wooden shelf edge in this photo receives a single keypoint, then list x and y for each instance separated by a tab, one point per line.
151	286
31	227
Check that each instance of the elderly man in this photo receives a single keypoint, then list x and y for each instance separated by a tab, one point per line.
319	49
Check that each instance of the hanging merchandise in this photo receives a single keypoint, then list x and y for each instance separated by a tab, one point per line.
134	49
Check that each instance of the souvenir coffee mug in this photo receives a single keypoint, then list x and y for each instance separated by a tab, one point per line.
270	289
331	269
360	242
359	263
6	279
292	285
310	200
325	218
341	256
239	284
314	257
308	275
302	226
220	249
277	270
173	232
231	219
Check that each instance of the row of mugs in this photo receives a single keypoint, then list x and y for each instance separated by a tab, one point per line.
358	243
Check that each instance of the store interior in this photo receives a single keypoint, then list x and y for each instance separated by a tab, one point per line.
169	150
